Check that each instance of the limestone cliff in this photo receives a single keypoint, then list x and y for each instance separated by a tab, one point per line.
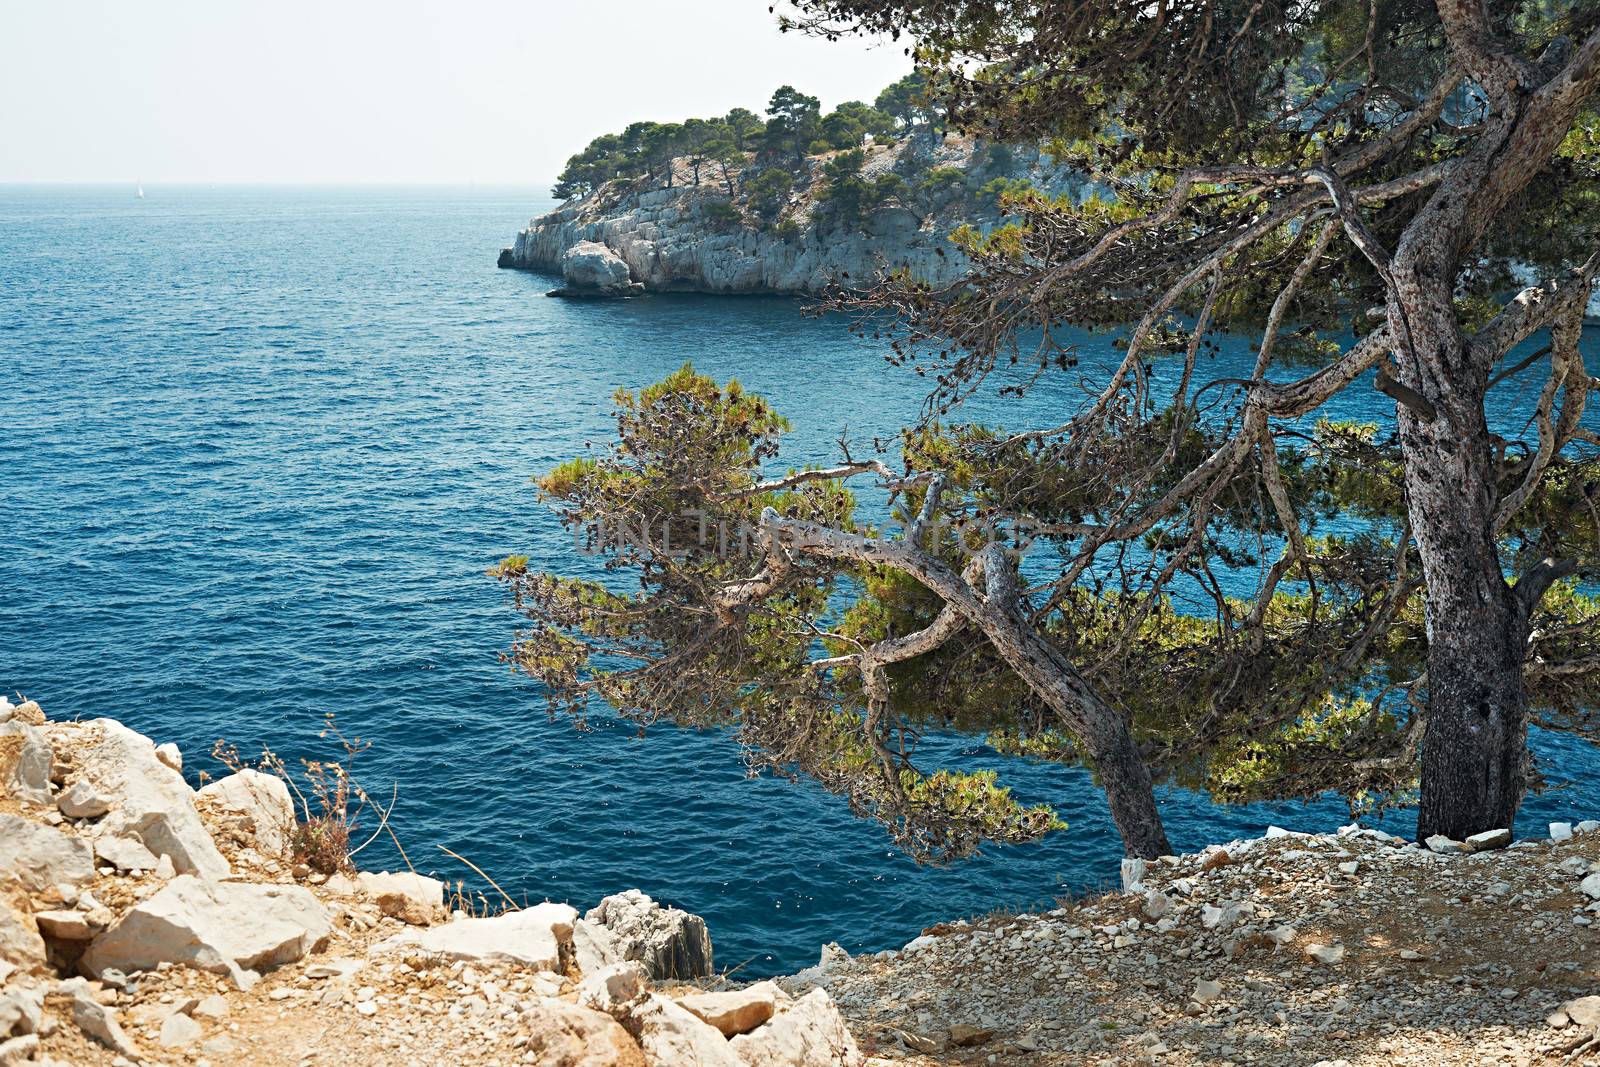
692	236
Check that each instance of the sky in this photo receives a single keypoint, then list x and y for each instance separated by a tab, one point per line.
351	91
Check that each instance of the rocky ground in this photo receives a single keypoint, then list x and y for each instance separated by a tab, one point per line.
1348	948
145	922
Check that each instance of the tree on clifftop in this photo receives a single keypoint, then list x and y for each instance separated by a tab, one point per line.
1294	164
1180	576
792	122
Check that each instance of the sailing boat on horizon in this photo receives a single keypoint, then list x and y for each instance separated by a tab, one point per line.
140	193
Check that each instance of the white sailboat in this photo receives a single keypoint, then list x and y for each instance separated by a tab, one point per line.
140	193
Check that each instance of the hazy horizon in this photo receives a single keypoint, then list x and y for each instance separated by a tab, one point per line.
490	92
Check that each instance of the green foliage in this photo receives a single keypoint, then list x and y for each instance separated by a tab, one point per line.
768	191
849	196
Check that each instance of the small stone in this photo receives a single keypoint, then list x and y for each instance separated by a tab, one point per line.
965	1035
64	925
1157	905
97	1022
1488	840
918	1043
281	993
83	801
1591	886
179	1030
212	1007
1329	954
1281	935
1349	868
1206	990
170	755
1561	831
1445	846
1410	954
366	1007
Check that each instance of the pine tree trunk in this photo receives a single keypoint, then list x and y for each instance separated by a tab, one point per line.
1475	741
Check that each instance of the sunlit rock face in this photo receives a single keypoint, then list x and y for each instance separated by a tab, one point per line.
672	239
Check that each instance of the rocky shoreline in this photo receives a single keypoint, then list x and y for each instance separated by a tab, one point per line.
626	239
144	921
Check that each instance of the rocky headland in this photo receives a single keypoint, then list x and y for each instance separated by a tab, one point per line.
146	921
692	236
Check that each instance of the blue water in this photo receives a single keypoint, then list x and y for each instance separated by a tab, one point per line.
259	446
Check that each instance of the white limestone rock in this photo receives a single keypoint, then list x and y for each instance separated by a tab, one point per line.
35	857
1561	831
810	1032
21	1009
82	801
537	938
1488	840
669	942
1445	846
178	1030
25	759
125	854
671	1036
735	1011
1590	886
593	947
100	1023
664	238
614	988
417	887
589	267
569	1035
150	801
21	947
224	927
264	799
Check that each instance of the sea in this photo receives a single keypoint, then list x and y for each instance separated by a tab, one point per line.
258	446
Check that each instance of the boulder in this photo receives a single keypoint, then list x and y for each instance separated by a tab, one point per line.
589	268
21	946
64	925
264	799
614	989
809	1033
669	942
593	947
125	854
1445	846
19	1050
418	887
568	1035
537	937
670	1036
178	1030
150	801
25	759
1489	839
1591	886
21	1009
83	801
37	857
223	927
735	1011
100	1023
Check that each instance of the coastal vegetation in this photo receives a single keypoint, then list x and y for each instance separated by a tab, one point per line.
1215	582
794	129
